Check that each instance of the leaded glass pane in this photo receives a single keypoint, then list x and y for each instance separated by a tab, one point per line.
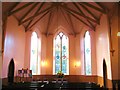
33	52
61	53
57	54
87	54
64	54
60	34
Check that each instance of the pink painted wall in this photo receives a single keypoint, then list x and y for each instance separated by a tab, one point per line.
43	53
14	45
49	55
82	51
93	53
102	46
27	50
0	53
72	56
78	54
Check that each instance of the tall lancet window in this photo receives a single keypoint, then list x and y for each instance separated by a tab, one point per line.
87	44
61	54
35	52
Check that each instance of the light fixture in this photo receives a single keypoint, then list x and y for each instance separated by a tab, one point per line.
43	63
118	34
77	63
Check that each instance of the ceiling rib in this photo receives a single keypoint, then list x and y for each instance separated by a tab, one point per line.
68	22
71	24
41	5
17	10
78	8
95	17
91	25
65	7
30	18
37	20
78	18
100	5
13	7
28	12
83	14
48	24
94	7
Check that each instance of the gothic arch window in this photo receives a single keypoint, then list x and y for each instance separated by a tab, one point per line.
61	54
87	53
34	55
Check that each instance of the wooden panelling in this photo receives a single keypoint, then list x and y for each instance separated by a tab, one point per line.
100	81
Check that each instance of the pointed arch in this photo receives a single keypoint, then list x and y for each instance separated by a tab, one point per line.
11	70
61	53
87	53
35	54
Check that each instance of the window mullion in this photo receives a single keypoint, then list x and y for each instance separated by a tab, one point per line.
61	53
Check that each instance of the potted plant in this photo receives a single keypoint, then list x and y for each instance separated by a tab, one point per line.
60	74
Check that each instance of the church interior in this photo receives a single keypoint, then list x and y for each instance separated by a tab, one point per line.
59	45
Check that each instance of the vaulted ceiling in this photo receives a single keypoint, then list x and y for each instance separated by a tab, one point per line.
49	16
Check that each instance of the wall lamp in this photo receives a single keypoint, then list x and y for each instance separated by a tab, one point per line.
43	63
77	64
118	34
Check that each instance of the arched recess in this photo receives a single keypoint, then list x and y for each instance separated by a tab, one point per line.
61	52
87	54
35	53
11	69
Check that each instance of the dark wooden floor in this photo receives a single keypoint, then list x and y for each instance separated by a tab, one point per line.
36	85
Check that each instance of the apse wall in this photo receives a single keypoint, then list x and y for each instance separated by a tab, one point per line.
47	53
14	46
76	53
72	57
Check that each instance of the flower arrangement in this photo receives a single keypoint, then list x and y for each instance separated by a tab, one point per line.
60	74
